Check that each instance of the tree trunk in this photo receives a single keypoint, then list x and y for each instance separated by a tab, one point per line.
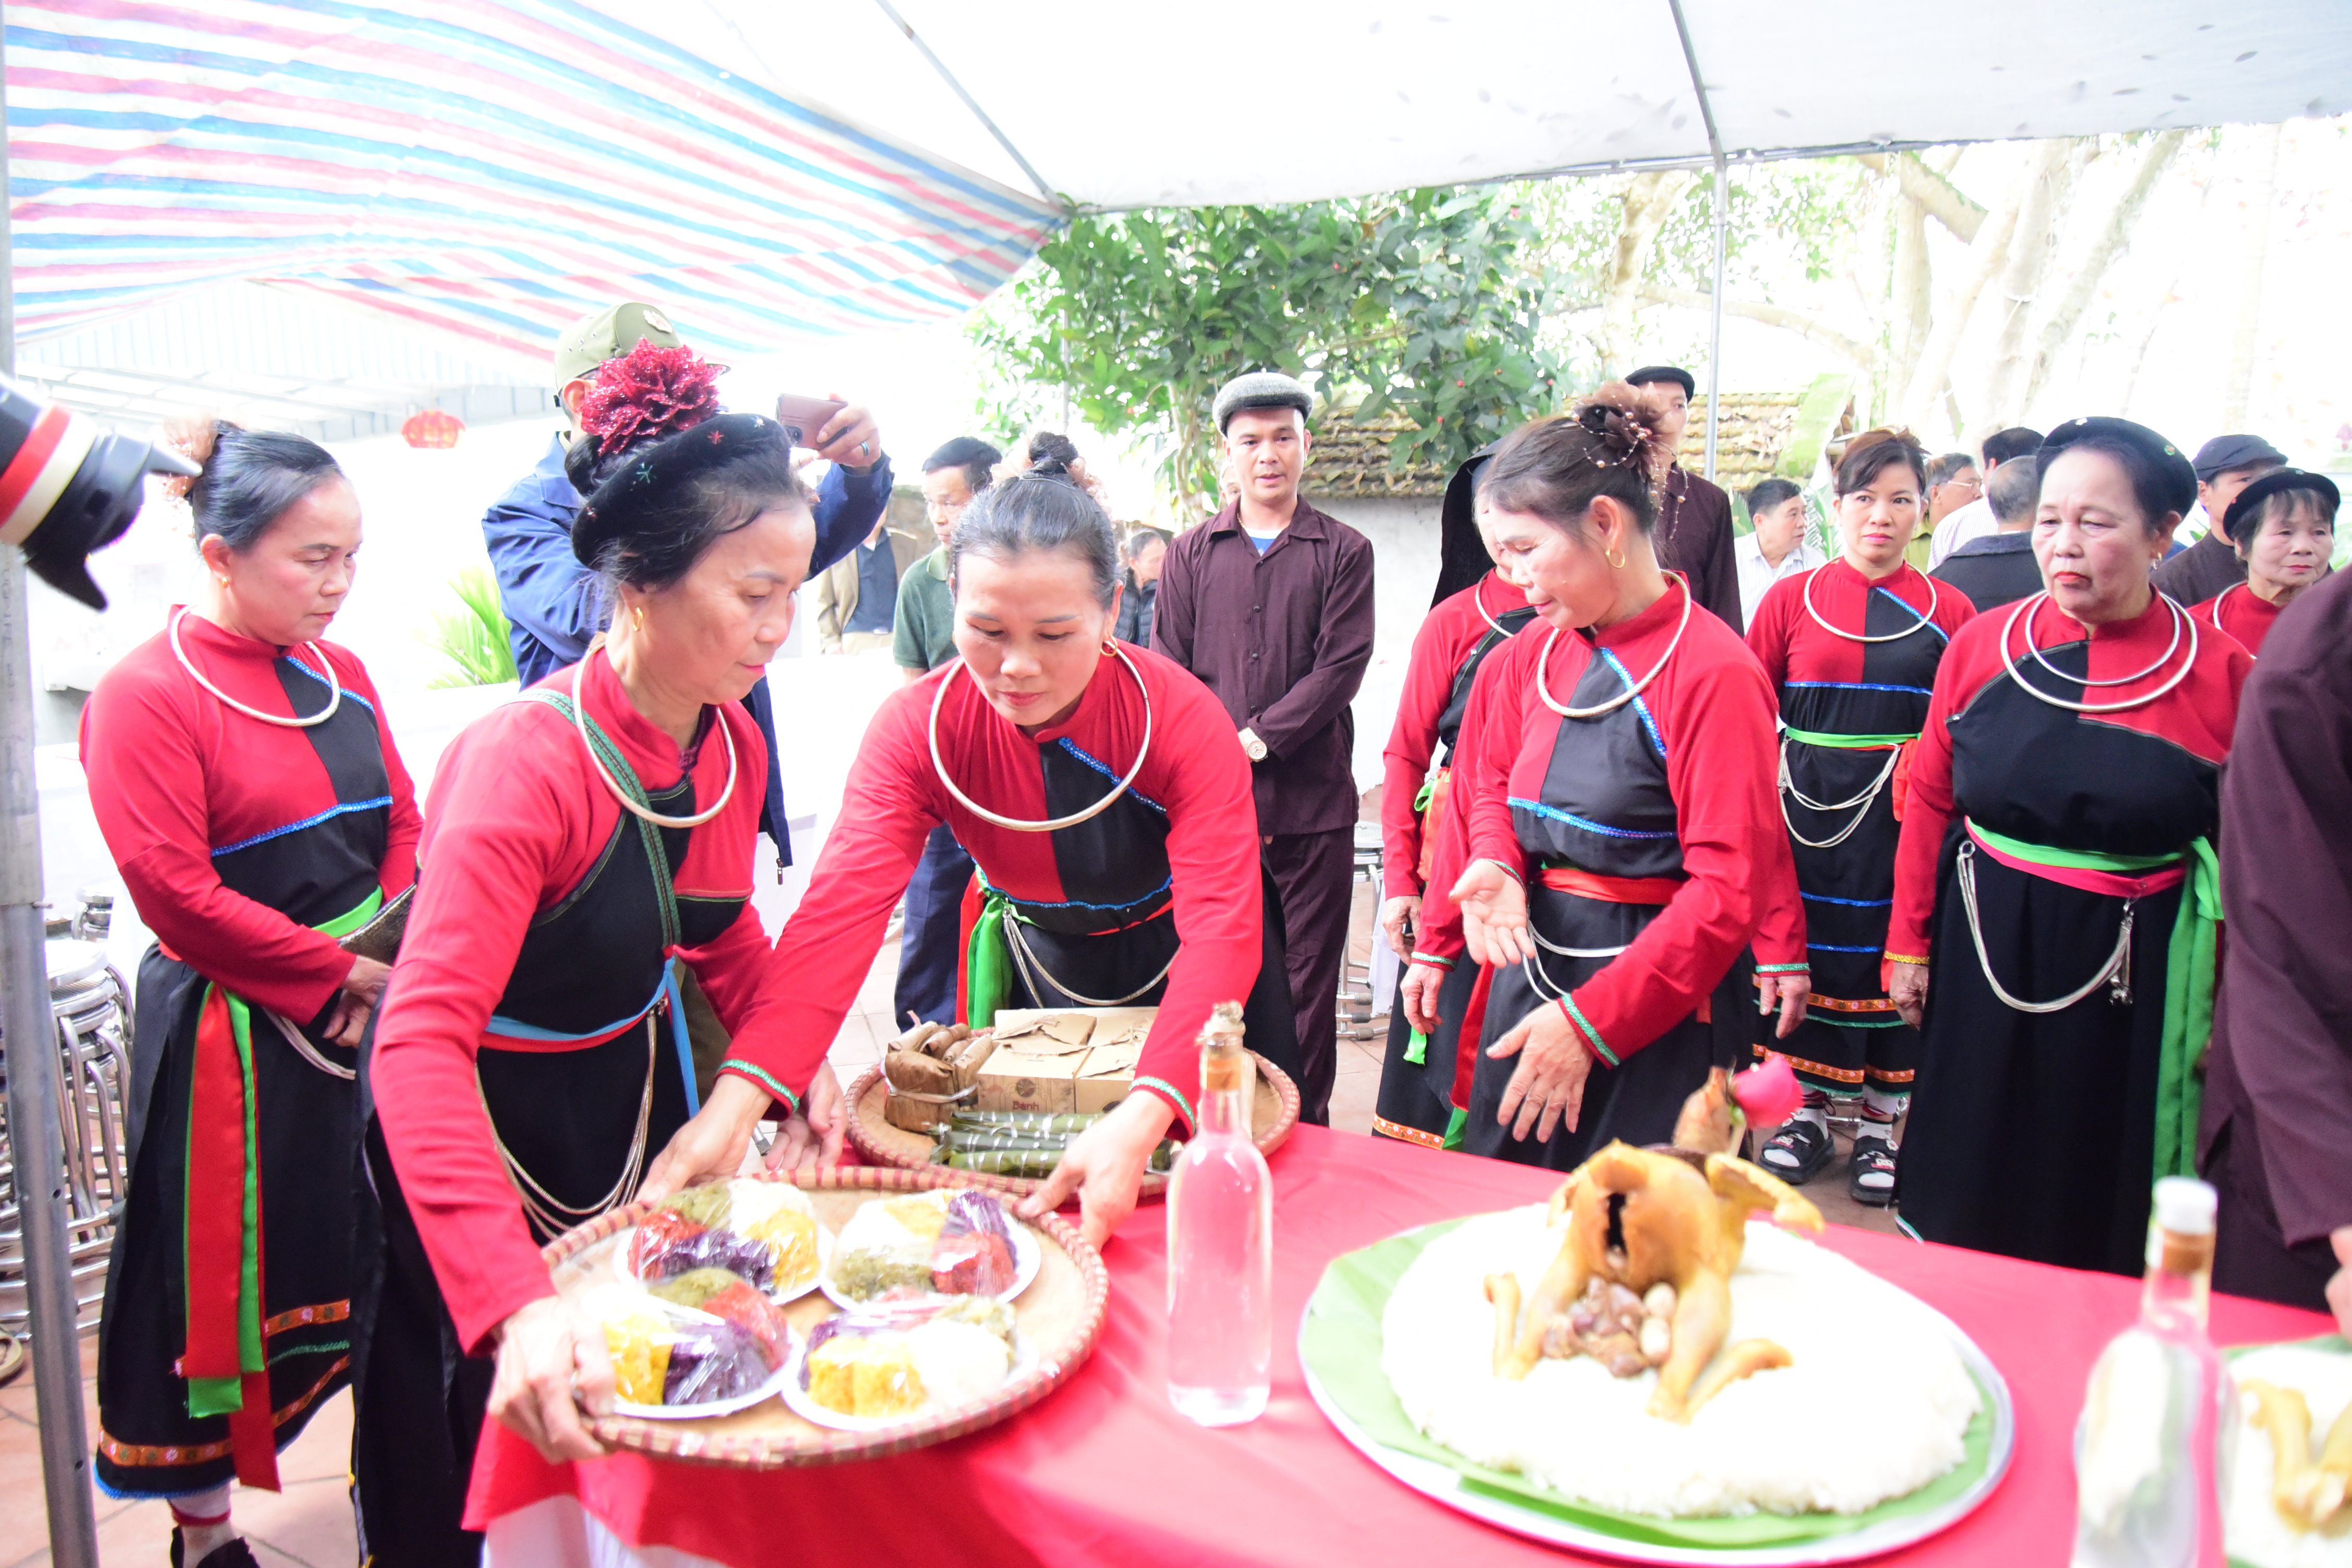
1933	192
1649	198
2261	185
1911	292
1934	367
2109	243
2048	180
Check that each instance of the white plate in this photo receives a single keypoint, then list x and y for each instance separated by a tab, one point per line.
797	1400
781	1297
1028	1257
795	1347
1444	1485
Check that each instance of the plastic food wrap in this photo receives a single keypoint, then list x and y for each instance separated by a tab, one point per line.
763	1231
730	1296
864	1369
892	1365
974	1254
865	1273
671	1355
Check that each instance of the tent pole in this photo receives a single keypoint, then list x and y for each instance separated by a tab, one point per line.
35	1138
970	102
1714	325
1722	196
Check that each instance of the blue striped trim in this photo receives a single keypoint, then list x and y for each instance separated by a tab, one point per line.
1640	707
1917	612
1830	947
516	1029
349	695
1859	686
1019	903
1104	768
1848	1021
1556	815
1852	903
379	802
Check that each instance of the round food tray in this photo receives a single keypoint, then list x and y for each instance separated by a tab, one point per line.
1274	1111
1625	1537
1059	1317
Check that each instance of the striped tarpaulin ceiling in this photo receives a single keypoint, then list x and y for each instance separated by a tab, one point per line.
496	167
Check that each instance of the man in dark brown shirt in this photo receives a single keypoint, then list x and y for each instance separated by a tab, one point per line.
2225	465
1270	604
1694	532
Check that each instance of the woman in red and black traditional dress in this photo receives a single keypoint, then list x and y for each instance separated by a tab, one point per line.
529	1067
1616	776
1467	622
248	788
1852	648
2283	526
1100	792
2056	865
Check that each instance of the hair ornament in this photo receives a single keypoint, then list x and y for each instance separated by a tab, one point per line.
1619	417
646	393
192	436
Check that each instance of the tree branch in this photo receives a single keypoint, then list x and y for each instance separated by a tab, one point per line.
2108	244
1941	199
1851	349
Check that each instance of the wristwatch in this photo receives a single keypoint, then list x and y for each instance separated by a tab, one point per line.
1252	747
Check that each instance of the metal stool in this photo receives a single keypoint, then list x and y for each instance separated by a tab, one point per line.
1357	1001
88	999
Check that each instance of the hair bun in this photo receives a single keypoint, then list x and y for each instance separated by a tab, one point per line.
1620	418
1048	469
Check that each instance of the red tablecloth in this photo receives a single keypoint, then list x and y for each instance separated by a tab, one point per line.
1104	1471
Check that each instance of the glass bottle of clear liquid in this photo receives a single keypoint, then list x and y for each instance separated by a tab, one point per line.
1221	1247
2153	1447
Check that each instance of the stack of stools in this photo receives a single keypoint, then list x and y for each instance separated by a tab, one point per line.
1360	994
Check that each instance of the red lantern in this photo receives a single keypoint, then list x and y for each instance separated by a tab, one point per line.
432	428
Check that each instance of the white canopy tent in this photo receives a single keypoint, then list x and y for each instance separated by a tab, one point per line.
1141	105
1110	105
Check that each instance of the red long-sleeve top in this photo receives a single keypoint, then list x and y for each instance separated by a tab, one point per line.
517	818
1449	634
1796	651
2198	715
176	775
2237	612
1196	770
1715	714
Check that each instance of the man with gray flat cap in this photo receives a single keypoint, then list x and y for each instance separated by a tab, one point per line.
2225	465
553	602
1270	604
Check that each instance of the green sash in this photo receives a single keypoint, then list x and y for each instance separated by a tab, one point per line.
222	1395
2190	963
988	960
1847	742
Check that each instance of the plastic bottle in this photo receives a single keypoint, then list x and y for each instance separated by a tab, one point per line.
1221	1247
2152	1449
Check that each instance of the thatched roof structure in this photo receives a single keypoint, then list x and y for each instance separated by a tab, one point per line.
1351	457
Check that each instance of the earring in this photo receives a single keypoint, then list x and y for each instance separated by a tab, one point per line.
638	619
1110	647
1616	559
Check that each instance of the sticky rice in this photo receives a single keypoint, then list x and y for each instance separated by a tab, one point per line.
1875	1405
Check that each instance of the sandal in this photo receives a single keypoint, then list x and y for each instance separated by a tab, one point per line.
1870	1172
1797	1152
232	1553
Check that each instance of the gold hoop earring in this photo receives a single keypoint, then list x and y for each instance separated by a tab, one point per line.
638	617
1110	647
1615	558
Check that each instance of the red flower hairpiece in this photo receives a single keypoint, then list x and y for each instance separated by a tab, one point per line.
646	393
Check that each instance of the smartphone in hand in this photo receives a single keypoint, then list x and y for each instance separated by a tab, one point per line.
802	417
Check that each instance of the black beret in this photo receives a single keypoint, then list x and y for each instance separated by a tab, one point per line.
625	504
2176	480
2249	499
2223	453
1650	372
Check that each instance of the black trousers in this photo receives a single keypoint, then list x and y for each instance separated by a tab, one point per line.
1314	875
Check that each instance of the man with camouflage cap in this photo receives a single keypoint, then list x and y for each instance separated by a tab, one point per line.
553	604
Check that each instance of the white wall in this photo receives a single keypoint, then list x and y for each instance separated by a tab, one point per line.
1405	550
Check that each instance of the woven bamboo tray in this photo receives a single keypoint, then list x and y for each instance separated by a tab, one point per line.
1274	1111
1060	1316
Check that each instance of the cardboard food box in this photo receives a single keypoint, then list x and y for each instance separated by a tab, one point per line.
1064	1059
1016	1079
1107	1077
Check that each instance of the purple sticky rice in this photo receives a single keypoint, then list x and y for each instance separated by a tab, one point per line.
717	1249
978	1213
710	1362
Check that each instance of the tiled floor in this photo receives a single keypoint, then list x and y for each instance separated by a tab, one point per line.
309	1525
